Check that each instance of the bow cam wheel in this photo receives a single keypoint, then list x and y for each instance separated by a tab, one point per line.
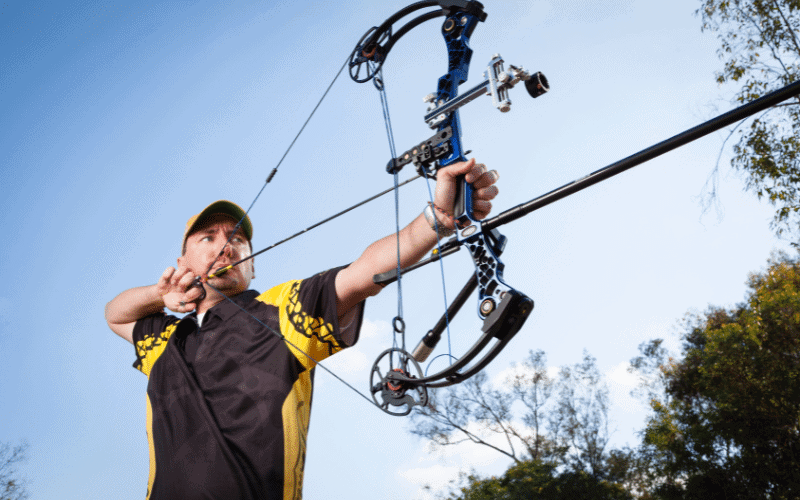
392	382
367	58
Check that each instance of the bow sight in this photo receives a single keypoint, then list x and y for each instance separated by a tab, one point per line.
401	385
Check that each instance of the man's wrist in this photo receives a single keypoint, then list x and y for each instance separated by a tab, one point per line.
435	223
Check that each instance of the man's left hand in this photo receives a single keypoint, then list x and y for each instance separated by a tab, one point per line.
483	191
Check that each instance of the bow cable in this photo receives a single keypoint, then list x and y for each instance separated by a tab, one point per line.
398	323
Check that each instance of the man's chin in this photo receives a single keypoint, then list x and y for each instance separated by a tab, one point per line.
228	285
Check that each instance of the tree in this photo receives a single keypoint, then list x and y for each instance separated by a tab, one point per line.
580	421
761	52
728	425
554	430
473	411
533	480
12	487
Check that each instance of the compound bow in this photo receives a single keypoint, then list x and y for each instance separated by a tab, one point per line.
503	309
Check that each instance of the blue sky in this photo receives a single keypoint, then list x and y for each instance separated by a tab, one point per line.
118	121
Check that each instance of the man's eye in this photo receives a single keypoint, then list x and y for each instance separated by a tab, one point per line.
205	238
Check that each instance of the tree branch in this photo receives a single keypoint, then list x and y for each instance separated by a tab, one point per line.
788	26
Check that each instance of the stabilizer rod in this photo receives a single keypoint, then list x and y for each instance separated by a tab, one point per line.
674	142
654	151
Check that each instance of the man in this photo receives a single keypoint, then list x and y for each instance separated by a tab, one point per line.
229	385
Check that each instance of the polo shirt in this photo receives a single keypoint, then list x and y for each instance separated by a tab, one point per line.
228	403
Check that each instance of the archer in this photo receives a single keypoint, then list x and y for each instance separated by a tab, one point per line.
230	384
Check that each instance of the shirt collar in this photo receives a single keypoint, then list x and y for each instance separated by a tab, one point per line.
232	305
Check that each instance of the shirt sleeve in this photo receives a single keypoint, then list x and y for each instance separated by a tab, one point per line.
308	317
150	336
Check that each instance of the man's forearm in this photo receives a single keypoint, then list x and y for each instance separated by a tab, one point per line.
354	284
130	306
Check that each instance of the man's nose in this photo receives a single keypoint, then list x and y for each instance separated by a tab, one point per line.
226	249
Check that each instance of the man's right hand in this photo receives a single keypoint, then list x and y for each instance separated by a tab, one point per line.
175	288
173	291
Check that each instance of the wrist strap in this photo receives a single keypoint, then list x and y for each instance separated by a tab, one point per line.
436	224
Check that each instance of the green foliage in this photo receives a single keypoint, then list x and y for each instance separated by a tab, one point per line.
761	52
537	480
729	424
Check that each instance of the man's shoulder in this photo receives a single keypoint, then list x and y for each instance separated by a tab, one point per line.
283	292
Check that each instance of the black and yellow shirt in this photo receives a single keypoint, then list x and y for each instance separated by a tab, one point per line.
228	404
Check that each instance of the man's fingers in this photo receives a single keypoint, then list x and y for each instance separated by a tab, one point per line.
163	281
192	294
483	183
180	274
481	208
475	173
487	193
186	307
185	281
457	169
486	179
167	274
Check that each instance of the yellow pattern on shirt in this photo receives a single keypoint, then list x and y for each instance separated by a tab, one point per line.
306	336
150	348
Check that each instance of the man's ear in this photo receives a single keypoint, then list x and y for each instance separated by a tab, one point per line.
253	267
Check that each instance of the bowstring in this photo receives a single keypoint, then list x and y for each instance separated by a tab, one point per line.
275	169
441	270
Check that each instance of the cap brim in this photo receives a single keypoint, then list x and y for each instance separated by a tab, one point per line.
223	207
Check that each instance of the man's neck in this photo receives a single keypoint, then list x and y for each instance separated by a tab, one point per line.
210	301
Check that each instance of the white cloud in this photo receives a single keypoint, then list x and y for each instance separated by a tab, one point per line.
359	358
436	476
373	329
620	384
438	469
620	376
350	360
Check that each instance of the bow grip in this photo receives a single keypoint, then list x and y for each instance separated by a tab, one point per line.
463	200
463	193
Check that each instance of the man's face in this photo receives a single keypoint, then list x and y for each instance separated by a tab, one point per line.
206	242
